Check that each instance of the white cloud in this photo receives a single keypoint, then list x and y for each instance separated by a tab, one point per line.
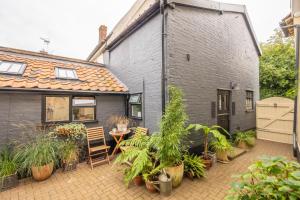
72	25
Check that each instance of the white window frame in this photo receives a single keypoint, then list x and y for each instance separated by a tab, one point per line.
20	71
66	69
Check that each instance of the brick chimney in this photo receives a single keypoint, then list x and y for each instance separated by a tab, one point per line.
102	33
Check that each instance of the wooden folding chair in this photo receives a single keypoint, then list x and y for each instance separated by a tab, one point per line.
97	146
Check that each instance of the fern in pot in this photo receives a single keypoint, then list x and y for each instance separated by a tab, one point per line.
68	154
244	140
8	169
38	157
193	166
170	144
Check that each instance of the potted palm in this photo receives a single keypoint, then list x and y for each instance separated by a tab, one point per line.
213	131
172	133
38	157
222	147
68	154
8	170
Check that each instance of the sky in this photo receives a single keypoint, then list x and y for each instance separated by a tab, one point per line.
72	25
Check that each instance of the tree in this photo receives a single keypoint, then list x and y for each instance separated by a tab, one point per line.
277	64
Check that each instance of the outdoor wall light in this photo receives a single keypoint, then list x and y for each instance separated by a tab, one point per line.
234	86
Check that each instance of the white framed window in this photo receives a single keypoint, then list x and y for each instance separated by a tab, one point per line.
15	68
135	106
64	73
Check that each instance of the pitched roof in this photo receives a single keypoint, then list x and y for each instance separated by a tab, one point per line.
40	75
139	10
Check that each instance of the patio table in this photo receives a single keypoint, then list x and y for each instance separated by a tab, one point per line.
118	137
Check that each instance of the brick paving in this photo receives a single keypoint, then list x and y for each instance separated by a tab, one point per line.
105	182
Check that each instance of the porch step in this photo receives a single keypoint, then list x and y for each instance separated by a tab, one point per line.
236	153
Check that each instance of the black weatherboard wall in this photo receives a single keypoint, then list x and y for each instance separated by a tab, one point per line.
26	109
221	50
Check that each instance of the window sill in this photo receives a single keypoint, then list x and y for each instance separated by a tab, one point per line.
136	118
86	122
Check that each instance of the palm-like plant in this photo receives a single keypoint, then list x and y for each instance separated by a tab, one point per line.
207	131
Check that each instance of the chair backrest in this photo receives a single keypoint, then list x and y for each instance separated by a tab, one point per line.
141	131
96	133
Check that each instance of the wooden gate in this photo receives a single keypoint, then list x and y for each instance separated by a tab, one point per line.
274	119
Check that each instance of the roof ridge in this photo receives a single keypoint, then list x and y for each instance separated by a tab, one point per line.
49	56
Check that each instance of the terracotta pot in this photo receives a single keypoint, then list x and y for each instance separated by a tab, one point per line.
150	187
223	156
207	162
242	145
138	181
176	174
69	166
42	173
8	182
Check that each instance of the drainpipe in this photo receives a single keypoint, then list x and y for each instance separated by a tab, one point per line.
163	3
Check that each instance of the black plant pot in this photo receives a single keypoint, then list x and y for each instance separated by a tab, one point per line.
8	182
70	166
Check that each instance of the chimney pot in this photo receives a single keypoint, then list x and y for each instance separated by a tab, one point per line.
102	33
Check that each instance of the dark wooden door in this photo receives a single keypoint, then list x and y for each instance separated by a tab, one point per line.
223	109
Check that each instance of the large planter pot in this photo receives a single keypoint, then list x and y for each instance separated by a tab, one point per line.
43	172
150	187
242	145
8	182
222	156
213	156
176	173
138	181
252	142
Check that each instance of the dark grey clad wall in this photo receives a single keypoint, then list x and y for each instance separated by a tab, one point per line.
25	109
136	60
221	50
18	112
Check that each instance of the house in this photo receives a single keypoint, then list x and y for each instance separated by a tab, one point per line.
291	27
206	48
38	89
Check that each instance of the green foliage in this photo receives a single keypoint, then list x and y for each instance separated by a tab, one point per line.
207	131
39	152
8	164
269	178
248	137
172	130
277	74
193	166
68	151
221	144
70	131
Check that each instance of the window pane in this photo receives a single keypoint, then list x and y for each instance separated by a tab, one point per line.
70	74
57	109
136	98
83	114
62	73
84	101
136	111
15	68
4	66
66	73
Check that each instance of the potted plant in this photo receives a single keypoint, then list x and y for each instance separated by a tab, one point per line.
8	170
213	131
118	121
38	157
193	166
172	133
222	147
68	154
244	140
150	175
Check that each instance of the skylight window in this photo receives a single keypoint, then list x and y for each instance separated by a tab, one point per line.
65	73
15	68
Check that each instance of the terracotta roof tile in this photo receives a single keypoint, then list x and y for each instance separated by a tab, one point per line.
40	73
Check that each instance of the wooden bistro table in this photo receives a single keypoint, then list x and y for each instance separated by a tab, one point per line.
118	137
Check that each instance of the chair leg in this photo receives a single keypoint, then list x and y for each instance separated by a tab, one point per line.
91	162
107	157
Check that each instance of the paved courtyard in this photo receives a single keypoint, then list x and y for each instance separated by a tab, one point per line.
105	182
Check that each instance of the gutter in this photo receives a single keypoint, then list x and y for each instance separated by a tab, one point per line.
163	3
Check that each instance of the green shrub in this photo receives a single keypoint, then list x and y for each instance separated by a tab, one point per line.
193	166
70	131
221	145
8	164
68	151
269	178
